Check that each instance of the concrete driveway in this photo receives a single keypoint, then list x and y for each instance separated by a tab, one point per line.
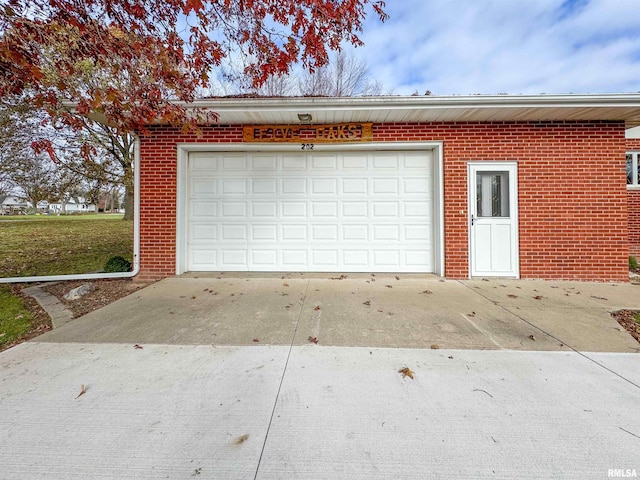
407	311
217	379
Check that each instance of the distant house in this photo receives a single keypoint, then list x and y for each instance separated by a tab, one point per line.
12	205
72	205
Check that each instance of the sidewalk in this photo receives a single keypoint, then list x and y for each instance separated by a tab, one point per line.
313	412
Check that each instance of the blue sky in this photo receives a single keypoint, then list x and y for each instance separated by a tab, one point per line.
505	46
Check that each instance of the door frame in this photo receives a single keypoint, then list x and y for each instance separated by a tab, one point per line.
183	150
495	166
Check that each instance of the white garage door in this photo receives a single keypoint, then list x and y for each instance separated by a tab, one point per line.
313	212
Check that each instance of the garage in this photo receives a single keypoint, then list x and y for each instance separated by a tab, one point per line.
309	211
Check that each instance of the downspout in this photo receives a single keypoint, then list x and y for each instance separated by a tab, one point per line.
136	239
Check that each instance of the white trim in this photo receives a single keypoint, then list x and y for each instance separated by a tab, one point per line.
136	239
635	160
511	167
415	109
183	150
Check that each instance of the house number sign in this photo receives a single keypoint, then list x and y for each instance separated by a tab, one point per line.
307	135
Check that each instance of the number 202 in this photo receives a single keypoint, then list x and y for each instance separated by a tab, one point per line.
307	146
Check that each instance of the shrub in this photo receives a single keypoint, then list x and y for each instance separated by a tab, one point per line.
633	263
117	264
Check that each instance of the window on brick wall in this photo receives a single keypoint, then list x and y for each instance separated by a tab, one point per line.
633	162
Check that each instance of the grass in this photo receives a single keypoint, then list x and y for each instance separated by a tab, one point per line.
15	320
59	245
636	318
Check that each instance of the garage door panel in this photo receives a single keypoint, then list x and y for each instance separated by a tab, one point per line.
354	210
264	210
264	163
354	163
354	186
328	210
234	210
264	233
203	187
324	162
310	212
264	186
294	233
294	258
234	233
294	210
201	209
234	163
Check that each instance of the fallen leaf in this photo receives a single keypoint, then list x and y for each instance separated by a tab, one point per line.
397	277
406	372
313	339
241	439
389	286
137	347
531	337
317	308
193	298
255	340
83	390
427	292
380	310
285	284
450	357
598	298
341	277
485	279
368	302
538	297
472	314
511	295
435	346
197	471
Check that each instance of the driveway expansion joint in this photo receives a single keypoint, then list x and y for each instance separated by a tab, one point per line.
582	354
284	372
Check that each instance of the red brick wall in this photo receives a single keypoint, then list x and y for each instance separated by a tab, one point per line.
571	181
633	199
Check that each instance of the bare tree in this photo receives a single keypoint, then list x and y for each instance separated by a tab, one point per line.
35	177
344	76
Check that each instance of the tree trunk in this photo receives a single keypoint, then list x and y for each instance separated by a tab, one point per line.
128	202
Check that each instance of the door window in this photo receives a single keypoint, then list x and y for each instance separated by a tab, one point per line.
492	194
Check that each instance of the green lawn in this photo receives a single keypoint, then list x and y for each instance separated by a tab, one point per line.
15	320
57	245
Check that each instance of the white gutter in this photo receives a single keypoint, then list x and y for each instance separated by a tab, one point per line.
221	104
136	239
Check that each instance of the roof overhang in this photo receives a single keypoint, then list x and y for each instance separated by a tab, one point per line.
623	107
418	109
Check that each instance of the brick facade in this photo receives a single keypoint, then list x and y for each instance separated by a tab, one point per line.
571	181
633	199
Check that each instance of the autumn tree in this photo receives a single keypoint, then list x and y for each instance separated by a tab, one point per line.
157	53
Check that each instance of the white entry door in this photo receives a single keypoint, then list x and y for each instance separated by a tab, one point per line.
493	219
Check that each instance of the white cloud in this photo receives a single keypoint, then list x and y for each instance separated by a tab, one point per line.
506	46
